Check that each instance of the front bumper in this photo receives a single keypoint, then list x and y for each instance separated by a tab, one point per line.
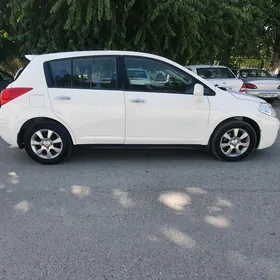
269	132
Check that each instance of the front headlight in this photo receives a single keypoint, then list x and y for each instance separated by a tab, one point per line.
267	109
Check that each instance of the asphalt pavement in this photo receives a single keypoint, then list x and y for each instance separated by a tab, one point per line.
135	214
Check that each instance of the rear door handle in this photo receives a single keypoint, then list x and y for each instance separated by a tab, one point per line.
62	97
138	101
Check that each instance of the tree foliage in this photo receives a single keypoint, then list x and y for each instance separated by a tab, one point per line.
188	31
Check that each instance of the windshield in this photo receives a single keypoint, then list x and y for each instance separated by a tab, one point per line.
137	74
215	73
254	73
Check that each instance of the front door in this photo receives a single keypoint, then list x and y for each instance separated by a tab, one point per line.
163	109
87	96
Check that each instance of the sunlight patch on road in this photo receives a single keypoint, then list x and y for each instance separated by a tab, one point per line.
175	200
179	238
214	209
223	203
123	198
217	221
13	178
22	206
80	191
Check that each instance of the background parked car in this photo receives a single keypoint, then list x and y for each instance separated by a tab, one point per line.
5	79
260	83
219	76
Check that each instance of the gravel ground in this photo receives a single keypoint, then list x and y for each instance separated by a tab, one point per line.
111	214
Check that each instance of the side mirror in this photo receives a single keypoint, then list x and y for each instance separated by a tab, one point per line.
198	90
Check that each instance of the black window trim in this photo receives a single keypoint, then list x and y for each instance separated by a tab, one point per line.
126	79
51	82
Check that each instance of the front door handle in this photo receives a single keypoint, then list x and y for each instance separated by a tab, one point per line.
62	97
138	101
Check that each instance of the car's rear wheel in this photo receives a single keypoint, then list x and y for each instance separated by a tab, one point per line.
47	142
233	141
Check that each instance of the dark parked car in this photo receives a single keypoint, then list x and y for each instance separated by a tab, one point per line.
5	79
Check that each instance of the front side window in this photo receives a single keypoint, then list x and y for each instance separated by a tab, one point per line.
215	73
146	74
86	73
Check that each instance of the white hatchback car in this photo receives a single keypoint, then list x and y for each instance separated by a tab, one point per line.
219	76
79	98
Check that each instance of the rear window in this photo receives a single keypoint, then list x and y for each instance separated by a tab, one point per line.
215	73
254	73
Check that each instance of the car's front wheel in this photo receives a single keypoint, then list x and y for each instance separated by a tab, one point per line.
47	142
233	141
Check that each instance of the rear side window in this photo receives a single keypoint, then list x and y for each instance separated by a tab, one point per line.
86	73
61	71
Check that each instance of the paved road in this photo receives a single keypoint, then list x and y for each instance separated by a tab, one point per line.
140	215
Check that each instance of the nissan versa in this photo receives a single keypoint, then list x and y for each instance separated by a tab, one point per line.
119	98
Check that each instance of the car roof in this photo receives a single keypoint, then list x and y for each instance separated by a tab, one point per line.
62	55
206	66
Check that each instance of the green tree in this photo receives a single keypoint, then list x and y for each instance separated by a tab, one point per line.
188	31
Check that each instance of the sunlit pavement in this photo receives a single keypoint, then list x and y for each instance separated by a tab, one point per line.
140	215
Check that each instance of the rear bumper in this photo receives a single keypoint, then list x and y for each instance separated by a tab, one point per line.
7	123
267	94
269	132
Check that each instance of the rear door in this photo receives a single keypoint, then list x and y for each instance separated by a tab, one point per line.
86	94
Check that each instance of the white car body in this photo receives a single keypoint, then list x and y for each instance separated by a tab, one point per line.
232	83
124	116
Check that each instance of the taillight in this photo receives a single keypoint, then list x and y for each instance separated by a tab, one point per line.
9	94
250	86
247	85
243	88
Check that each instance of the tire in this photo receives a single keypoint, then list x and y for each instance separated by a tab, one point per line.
243	148
59	145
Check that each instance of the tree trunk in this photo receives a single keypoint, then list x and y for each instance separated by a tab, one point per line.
276	54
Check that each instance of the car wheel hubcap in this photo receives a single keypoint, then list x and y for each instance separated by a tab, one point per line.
46	144
235	142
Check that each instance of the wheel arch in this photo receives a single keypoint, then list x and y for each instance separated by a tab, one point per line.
37	120
250	121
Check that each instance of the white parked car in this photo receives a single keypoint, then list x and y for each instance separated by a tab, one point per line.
219	76
138	77
79	98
